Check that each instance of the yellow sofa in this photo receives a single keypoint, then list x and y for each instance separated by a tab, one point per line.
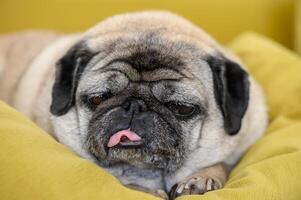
224	19
34	166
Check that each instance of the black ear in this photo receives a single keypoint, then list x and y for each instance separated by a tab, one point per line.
231	90
68	71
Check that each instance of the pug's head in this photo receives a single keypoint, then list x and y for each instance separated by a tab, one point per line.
149	89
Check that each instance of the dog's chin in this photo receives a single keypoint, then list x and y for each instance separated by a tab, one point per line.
142	157
139	157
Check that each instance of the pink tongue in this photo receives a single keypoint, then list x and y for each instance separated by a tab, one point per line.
115	139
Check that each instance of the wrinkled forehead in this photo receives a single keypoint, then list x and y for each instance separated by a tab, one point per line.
152	55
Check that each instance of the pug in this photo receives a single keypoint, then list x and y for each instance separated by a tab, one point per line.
147	96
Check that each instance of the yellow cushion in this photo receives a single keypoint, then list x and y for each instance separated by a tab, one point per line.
298	27
224	19
34	166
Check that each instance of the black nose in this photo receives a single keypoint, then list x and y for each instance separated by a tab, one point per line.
134	106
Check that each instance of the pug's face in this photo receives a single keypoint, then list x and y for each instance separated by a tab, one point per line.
145	100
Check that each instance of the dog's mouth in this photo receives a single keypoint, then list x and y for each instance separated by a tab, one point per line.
125	138
147	142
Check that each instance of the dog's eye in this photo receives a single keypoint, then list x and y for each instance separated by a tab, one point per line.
182	110
95	100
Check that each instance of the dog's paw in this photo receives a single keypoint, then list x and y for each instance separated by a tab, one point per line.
195	185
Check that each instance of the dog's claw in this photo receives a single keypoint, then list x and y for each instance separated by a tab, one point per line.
212	185
194	185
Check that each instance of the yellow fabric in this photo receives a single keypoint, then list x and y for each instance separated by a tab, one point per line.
34	166
224	19
298	27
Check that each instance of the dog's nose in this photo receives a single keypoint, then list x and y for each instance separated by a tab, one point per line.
134	106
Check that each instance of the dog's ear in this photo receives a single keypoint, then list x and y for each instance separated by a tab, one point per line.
231	90
68	71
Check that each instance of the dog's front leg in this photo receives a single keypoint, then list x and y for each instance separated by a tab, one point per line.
205	180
